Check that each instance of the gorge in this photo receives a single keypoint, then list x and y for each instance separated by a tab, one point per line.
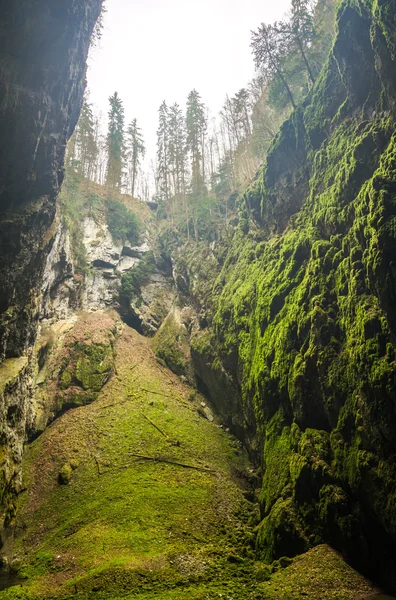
188	416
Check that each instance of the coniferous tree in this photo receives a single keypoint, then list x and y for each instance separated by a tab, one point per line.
196	125
177	159
213	151
86	142
115	143
135	150
162	172
300	33
101	157
177	148
269	52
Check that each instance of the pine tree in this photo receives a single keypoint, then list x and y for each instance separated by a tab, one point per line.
269	51
162	174
300	32
115	143
177	148
196	125
177	158
135	149
86	142
101	157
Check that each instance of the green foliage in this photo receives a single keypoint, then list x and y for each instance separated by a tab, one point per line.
290	53
129	526
163	167
132	280
115	142
72	203
196	125
303	316
123	224
86	143
135	151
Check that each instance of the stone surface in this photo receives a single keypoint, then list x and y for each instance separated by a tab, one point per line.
43	52
16	416
302	324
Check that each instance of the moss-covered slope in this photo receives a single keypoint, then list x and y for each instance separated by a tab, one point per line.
136	491
305	325
139	495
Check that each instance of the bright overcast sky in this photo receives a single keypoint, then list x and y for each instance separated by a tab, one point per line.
155	50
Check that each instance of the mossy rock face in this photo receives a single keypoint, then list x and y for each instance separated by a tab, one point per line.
172	345
88	358
137	496
303	324
87	366
65	474
94	366
79	361
42	121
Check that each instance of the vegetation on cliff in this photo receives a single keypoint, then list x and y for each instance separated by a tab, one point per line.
303	324
138	495
290	329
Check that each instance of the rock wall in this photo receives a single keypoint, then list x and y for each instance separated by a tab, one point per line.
296	342
302	319
43	52
65	290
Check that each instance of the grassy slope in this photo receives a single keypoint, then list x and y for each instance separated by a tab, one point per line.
119	511
127	527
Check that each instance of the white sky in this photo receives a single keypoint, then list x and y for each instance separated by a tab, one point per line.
155	50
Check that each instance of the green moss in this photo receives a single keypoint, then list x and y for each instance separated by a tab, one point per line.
10	369
130	526
301	315
321	573
86	369
303	318
132	280
171	344
123	224
307	326
66	379
280	532
65	474
94	367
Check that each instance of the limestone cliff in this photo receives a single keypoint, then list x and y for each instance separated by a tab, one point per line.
43	51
